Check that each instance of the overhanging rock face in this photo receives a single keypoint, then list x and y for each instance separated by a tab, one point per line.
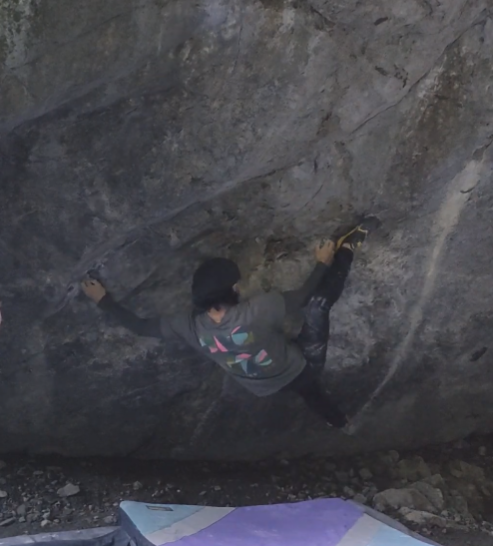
138	137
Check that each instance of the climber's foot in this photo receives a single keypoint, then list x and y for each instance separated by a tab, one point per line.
357	236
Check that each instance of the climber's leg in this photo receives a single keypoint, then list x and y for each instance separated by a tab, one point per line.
310	387
314	335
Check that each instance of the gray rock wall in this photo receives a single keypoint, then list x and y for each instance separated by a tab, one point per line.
138	137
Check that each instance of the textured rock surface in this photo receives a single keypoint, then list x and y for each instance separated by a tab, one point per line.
138	137
400	498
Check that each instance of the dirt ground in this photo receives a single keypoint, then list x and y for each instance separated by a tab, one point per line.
32	504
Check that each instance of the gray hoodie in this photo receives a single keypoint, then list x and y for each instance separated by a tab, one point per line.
249	343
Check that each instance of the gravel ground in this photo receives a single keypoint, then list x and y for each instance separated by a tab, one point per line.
32	489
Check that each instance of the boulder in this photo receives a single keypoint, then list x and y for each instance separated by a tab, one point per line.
139	137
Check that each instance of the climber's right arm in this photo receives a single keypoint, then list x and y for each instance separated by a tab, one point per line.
147	327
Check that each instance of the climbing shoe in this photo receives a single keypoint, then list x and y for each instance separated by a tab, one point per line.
357	236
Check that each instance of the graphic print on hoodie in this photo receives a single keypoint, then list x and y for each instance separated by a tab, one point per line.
235	349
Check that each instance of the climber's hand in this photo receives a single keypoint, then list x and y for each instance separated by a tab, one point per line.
325	252
93	289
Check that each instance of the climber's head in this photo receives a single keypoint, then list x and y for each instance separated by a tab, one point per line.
214	285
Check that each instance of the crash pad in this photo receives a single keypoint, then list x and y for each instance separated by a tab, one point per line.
321	522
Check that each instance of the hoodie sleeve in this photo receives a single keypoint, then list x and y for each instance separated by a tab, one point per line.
157	327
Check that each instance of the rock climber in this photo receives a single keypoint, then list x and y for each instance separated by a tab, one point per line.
246	338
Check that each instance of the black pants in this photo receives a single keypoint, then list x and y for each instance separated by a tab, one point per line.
314	338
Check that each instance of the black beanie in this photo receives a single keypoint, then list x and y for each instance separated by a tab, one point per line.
212	279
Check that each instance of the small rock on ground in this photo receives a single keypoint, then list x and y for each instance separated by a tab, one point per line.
366	474
402	498
21	510
68	490
413	469
420	517
434	495
360	498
